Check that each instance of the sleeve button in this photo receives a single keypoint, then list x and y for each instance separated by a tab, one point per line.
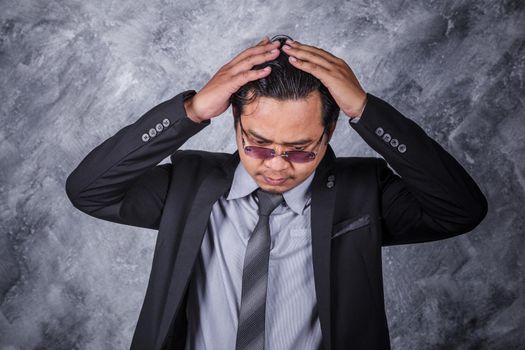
145	137
394	142
402	148
379	131
159	127
387	137
165	122
152	132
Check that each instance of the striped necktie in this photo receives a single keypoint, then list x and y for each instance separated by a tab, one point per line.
250	332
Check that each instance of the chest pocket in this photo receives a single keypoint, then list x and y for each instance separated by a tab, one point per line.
350	224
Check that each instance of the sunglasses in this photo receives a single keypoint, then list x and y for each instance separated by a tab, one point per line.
268	153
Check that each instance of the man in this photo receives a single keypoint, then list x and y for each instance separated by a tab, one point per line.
277	245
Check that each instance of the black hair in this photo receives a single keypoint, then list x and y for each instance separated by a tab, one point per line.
285	82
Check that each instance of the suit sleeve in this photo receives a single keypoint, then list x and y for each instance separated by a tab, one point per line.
432	197
120	179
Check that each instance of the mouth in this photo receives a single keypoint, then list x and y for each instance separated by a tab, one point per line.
273	181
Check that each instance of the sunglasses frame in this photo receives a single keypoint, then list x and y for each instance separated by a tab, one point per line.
284	154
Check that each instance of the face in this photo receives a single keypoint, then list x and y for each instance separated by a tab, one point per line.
284	126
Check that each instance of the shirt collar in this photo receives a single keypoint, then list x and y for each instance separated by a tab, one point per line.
296	198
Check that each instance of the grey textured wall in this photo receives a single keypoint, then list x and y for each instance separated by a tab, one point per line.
73	73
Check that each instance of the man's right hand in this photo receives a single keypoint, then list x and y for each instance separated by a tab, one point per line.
214	98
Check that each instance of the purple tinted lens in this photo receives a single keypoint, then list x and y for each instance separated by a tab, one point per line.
300	156
265	153
258	152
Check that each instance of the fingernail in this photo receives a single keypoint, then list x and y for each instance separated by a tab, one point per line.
289	41
293	59
286	47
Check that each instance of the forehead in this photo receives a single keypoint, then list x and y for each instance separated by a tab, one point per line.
268	114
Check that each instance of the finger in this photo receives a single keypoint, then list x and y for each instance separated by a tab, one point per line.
256	50
318	51
310	56
264	40
316	70
248	75
250	61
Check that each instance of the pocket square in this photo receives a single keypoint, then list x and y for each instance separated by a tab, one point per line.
350	225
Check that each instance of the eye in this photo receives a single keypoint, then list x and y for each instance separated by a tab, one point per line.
298	148
259	142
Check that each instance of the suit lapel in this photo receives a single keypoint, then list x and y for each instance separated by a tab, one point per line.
217	183
322	209
214	185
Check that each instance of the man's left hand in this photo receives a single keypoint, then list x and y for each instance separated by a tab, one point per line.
333	72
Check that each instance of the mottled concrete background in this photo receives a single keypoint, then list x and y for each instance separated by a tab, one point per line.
73	73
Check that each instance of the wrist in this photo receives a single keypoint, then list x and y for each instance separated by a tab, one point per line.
359	112
190	113
362	109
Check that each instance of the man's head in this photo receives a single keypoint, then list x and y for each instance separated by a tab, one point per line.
287	106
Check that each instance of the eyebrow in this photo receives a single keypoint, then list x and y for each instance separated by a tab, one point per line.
298	142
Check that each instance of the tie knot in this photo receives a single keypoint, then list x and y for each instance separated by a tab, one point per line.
268	201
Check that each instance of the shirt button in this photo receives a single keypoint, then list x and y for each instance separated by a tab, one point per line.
152	132
331	178
394	142
402	148
387	137
159	127
165	122
145	137
329	184
379	131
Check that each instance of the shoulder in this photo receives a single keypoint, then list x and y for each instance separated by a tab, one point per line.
356	163
358	169
200	158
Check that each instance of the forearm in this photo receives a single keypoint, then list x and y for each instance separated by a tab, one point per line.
109	169
435	192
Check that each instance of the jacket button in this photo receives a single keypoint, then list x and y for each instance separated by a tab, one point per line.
387	137
145	137
394	142
379	131
159	127
331	178
402	148
330	184
165	122
152	132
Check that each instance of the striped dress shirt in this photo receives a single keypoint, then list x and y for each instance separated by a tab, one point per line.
214	297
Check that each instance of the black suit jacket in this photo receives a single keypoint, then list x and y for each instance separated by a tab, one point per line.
358	205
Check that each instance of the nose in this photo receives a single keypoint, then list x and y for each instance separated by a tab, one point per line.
277	163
